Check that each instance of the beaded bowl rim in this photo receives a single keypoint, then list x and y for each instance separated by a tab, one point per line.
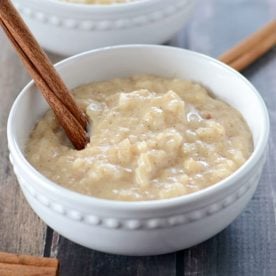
97	10
102	21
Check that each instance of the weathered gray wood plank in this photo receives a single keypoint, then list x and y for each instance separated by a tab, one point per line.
20	229
77	260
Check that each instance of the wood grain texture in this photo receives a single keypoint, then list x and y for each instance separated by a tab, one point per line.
89	262
21	231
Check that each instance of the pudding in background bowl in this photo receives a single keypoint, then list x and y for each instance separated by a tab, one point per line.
153	226
69	28
102	2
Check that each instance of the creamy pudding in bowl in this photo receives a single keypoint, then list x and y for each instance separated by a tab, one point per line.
151	138
109	81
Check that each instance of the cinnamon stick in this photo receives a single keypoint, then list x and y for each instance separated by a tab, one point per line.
251	48
10	258
13	264
69	115
41	62
74	131
257	51
26	270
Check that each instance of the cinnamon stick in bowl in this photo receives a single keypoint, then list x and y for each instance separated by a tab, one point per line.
69	115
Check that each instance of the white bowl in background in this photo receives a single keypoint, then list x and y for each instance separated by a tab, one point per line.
149	227
67	28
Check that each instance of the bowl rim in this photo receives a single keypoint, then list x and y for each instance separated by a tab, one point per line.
49	185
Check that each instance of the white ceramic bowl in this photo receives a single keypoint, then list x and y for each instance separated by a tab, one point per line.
152	227
68	29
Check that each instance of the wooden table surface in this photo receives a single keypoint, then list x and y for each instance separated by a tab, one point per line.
246	247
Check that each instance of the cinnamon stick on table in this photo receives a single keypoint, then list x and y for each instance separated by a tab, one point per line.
24	265
251	48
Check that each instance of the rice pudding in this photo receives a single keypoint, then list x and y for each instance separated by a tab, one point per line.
151	138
